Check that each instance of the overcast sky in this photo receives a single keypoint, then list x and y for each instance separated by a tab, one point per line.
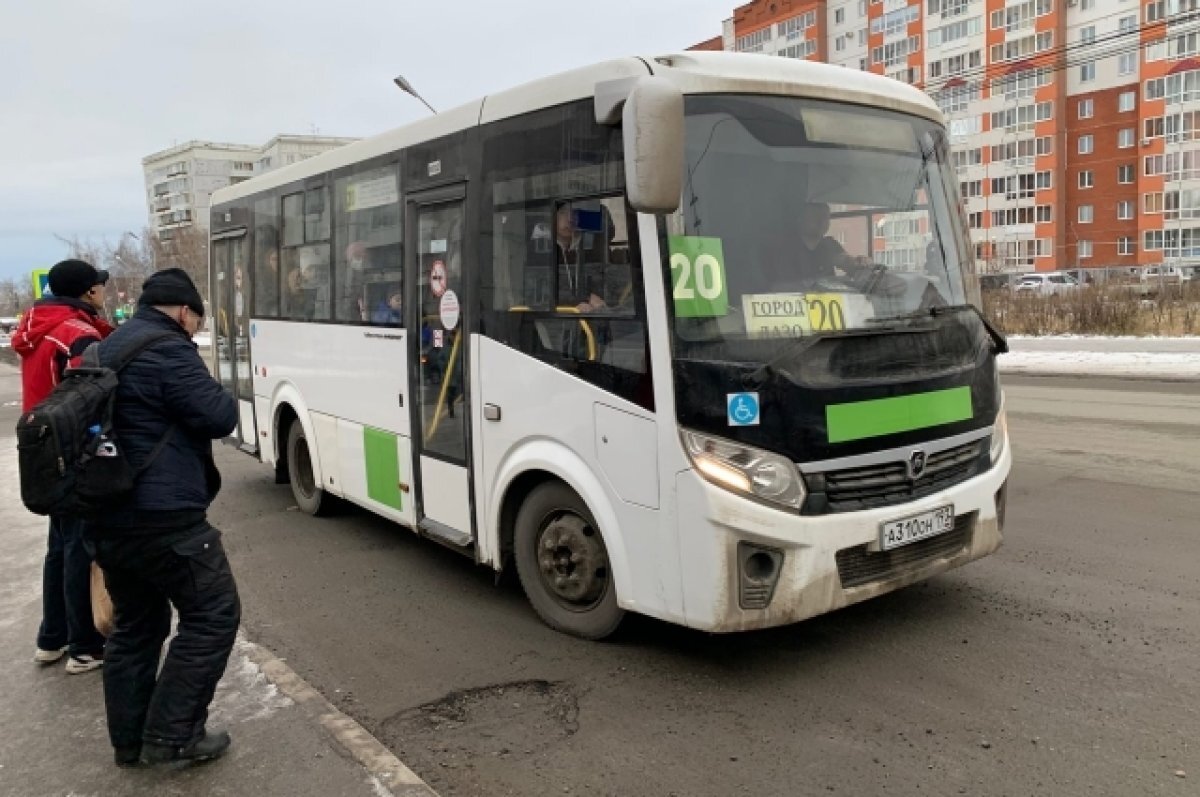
91	88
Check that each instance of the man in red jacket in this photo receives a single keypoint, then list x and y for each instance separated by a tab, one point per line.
51	336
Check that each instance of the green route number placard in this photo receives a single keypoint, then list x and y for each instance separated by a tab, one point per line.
698	285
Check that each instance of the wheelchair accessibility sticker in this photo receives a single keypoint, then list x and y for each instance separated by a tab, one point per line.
742	409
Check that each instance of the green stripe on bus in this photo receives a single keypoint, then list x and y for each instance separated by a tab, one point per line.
382	454
862	419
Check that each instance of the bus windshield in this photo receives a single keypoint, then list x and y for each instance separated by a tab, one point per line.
803	219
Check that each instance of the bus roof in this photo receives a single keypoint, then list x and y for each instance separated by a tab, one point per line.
693	72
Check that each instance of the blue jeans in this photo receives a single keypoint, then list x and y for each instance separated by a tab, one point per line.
67	592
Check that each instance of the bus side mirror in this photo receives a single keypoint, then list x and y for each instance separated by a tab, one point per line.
652	122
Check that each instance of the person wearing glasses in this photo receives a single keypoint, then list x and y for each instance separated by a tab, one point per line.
157	549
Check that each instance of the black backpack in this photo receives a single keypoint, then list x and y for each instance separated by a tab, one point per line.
70	460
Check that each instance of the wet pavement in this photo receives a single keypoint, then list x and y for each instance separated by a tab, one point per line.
287	739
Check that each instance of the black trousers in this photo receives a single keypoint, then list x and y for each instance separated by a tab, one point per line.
146	576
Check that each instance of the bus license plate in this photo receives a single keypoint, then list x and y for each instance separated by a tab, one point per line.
895	533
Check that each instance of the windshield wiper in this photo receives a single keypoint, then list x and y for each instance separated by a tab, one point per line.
1000	343
756	377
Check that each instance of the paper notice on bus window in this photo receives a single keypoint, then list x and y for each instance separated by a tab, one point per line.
776	315
791	315
372	193
830	312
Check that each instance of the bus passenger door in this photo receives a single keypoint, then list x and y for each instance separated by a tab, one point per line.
438	345
231	330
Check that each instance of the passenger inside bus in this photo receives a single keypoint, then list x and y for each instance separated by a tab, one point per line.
390	312
819	255
296	300
581	244
266	271
813	259
306	282
353	306
593	267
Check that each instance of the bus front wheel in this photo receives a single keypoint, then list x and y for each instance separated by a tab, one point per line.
309	496
563	563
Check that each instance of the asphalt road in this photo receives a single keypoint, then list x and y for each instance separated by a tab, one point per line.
1065	664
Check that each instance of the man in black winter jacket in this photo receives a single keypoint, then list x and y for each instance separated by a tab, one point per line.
158	550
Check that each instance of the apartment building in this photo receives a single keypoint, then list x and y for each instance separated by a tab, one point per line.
180	181
1071	121
284	150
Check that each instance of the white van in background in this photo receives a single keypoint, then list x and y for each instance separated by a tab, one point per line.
1048	283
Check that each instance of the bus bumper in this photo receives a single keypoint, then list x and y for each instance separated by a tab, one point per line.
809	565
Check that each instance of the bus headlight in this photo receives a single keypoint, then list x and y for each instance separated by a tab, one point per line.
746	470
999	434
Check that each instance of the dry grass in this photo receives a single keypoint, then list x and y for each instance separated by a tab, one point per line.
1107	310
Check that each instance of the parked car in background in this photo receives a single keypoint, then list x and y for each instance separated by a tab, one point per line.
998	282
1166	274
1049	283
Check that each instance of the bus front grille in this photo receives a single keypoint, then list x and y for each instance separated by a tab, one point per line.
887	484
858	566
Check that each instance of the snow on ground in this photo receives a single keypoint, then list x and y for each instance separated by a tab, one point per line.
1164	358
1160	365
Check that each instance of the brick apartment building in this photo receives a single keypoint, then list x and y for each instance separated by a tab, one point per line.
1073	122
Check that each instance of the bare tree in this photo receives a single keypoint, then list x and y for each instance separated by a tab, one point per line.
16	295
186	248
9	305
134	258
85	249
24	294
130	262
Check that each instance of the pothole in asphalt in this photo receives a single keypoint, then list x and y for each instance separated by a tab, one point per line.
514	719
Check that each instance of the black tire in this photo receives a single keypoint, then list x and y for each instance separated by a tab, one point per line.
563	565
309	495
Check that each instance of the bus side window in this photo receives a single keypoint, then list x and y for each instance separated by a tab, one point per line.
265	289
591	246
564	284
368	266
306	273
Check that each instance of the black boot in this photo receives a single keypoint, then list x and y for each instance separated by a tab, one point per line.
127	756
209	746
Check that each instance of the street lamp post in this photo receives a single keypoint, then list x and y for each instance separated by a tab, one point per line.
407	88
138	238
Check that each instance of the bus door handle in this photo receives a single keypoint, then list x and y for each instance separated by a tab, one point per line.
491	412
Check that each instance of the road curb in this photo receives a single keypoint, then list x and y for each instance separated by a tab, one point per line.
356	740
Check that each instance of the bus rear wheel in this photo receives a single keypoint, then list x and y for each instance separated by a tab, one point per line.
309	496
563	564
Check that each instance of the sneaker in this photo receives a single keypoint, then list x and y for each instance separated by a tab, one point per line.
206	748
84	663
49	656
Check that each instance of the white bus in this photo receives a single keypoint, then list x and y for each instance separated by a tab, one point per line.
693	336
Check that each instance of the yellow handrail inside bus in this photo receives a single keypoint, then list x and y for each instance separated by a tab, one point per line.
584	325
440	407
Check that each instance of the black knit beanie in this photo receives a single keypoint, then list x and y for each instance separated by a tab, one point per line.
171	286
